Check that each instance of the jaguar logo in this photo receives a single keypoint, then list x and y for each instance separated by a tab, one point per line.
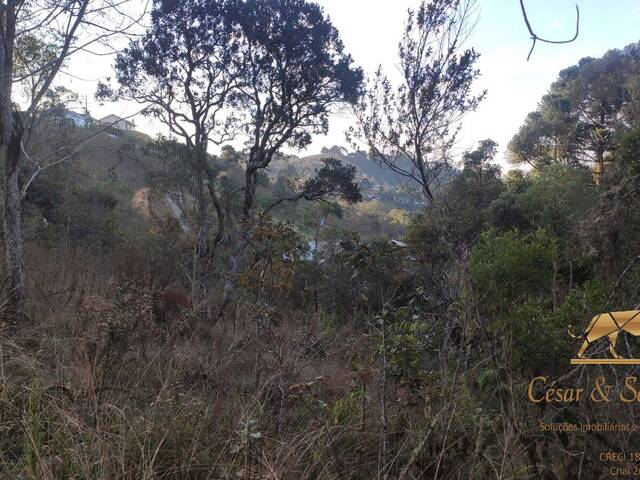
608	324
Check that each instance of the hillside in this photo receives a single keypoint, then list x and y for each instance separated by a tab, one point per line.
376	181
366	168
118	169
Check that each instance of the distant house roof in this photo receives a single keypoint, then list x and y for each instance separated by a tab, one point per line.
71	113
116	119
398	243
79	119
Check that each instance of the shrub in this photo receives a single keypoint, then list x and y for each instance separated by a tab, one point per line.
511	265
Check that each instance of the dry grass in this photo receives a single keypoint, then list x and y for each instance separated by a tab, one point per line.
95	388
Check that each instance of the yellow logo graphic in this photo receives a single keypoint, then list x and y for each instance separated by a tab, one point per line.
609	325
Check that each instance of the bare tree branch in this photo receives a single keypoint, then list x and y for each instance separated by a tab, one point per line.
40	167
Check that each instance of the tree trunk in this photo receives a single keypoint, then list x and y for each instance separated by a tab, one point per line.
600	160
233	267
14	243
201	251
250	186
10	140
600	149
237	254
199	283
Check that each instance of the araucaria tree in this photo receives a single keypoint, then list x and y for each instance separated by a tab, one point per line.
411	127
580	120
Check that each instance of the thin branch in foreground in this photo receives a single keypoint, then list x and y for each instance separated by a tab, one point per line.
40	167
536	38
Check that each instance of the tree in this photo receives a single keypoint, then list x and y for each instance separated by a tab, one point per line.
579	119
479	158
182	70
450	230
332	180
510	266
467	197
38	37
295	71
557	198
411	128
547	135
278	65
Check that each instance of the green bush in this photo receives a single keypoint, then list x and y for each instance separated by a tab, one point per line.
540	330
510	266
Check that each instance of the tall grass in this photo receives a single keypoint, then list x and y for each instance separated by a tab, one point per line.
97	386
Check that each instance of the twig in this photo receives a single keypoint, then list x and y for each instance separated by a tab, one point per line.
536	38
619	281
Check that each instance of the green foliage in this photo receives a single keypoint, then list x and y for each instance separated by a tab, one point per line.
506	213
577	121
544	138
460	212
468	196
65	204
517	181
410	345
539	333
276	251
540	330
90	217
627	155
557	198
379	274
333	179
510	266
427	237
345	411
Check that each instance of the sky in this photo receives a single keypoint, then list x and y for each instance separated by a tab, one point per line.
371	30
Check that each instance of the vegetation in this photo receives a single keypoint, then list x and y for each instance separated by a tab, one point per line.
191	310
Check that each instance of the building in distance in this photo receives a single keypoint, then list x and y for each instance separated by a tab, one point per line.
117	122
